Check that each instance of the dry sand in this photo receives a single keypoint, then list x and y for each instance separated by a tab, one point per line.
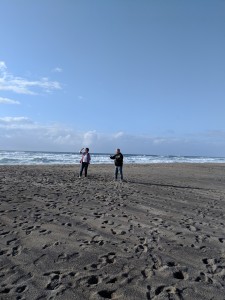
160	235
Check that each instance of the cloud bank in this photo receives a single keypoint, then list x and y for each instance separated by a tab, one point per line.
8	101
19	85
22	133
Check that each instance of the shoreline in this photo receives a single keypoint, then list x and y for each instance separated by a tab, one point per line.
125	164
159	235
97	158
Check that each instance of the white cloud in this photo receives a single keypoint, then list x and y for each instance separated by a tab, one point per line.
22	133
2	66
90	137
118	134
57	70
159	140
19	85
8	101
13	120
14	123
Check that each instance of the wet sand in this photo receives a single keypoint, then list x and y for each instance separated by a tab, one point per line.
159	235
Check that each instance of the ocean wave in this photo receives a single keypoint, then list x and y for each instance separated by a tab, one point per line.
39	158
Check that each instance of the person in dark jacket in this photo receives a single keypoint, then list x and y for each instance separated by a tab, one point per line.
118	160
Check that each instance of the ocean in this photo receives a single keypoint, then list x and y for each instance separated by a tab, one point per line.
41	158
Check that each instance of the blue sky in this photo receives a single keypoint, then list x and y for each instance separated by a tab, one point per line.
146	76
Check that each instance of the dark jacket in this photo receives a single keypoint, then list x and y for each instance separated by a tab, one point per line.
118	159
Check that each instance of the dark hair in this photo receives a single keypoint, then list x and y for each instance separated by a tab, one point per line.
87	149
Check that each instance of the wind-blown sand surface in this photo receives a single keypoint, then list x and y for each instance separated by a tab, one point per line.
160	235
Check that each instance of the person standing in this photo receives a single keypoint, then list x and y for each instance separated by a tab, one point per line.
118	160
85	161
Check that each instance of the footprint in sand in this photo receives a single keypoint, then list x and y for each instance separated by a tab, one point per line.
13	290
54	283
106	294
14	251
147	272
89	281
180	275
67	257
157	262
103	261
168	292
97	239
204	278
221	240
44	231
215	266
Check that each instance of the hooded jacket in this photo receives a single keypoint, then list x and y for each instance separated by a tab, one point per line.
118	159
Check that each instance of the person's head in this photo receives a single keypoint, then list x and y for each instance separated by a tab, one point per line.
87	150
117	150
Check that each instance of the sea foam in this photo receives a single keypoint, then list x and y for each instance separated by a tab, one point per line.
39	158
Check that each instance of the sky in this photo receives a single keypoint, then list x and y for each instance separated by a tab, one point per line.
145	76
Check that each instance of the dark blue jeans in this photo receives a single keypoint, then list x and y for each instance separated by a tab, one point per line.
117	169
83	166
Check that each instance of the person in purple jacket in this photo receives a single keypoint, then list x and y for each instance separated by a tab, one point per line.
85	161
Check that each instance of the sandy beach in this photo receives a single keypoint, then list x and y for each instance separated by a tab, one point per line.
158	235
